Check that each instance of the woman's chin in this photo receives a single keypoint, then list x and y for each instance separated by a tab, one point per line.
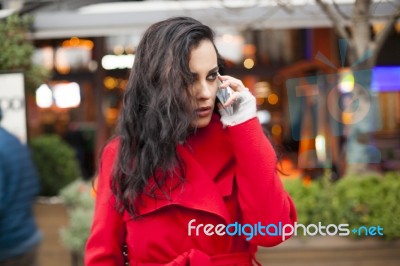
201	122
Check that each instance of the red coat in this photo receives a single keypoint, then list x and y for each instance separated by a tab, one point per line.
230	177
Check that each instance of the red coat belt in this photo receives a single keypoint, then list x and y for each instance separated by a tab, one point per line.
195	257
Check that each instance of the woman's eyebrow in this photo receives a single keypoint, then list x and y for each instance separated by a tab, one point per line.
213	70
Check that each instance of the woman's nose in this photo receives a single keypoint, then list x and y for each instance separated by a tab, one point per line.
204	91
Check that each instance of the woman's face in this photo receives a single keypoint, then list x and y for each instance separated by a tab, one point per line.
204	68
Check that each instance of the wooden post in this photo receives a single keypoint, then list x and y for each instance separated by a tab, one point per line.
98	88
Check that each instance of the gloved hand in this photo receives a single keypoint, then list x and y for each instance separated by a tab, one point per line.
242	101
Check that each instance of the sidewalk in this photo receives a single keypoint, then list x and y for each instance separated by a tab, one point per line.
50	218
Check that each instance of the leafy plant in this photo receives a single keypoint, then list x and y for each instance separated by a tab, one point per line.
17	50
75	235
368	200
357	199
56	163
388	216
78	196
304	197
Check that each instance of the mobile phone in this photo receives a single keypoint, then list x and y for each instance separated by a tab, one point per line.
223	95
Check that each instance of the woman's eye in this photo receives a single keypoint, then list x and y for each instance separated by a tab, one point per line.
212	76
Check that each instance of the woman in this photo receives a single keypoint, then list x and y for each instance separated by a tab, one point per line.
182	165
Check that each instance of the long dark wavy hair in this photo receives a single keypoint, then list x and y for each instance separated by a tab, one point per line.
157	109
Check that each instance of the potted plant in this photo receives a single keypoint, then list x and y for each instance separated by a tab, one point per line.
78	197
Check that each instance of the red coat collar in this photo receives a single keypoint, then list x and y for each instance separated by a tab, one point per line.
209	161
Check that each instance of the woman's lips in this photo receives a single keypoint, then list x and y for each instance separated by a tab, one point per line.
203	111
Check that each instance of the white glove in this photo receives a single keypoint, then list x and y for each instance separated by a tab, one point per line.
244	108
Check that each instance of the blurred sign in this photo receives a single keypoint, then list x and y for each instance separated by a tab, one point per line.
12	102
386	79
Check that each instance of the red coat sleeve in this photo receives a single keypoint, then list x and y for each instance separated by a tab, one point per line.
262	197
106	240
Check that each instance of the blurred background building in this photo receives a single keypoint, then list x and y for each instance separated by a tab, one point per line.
89	47
289	53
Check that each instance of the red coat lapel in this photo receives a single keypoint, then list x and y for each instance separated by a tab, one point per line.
209	161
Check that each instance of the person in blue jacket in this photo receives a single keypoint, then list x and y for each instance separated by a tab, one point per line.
19	185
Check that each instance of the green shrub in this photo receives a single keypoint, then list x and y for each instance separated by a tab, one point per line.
78	198
358	199
388	216
368	200
74	236
78	194
304	197
56	163
312	200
